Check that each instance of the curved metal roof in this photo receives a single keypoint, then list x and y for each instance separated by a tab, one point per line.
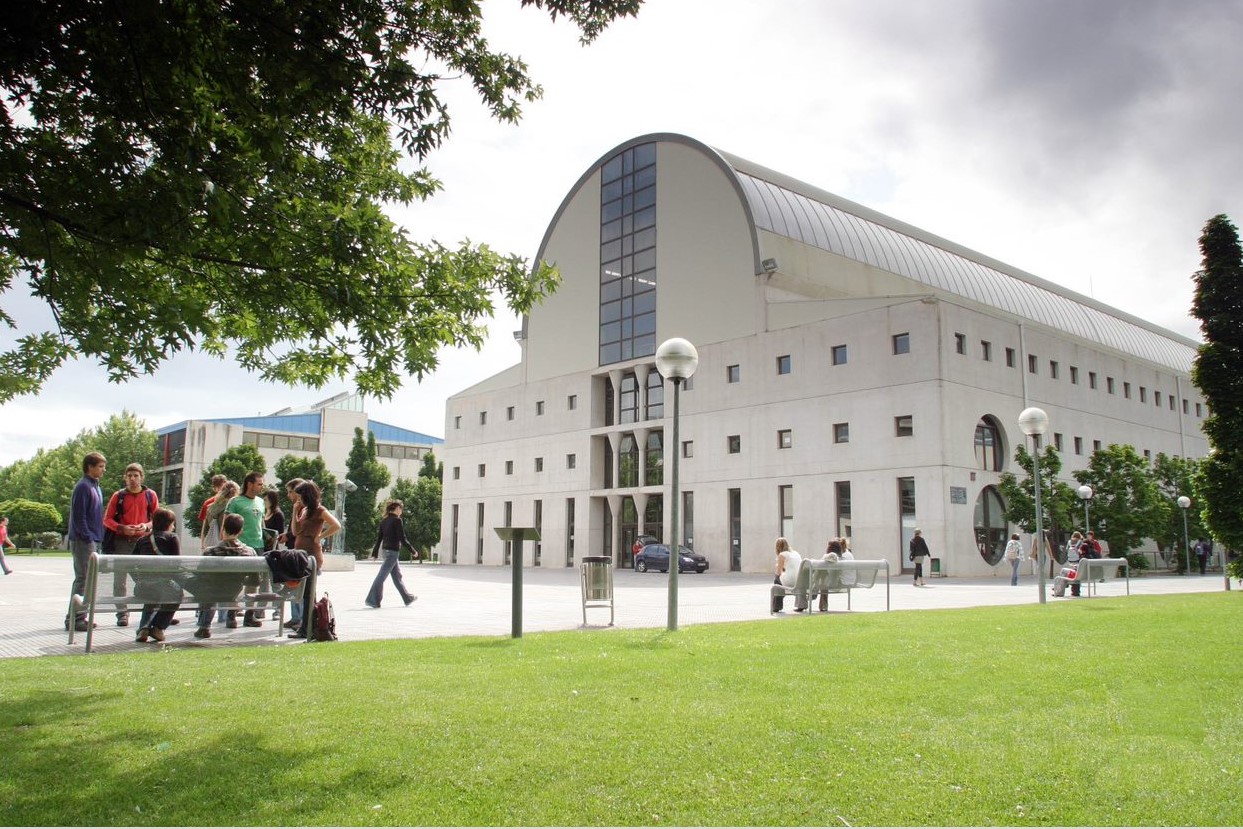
790	208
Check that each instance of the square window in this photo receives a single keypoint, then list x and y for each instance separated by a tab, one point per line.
1109	385
457	473
509	412
539	464
483	470
734	444
1096	446
841	433
839	355
1053	369
785	439
960	343
733	373
571	461
1074	375
571	402
1092	379
1031	364
902	343
783	364
1010	355
509	467
986	351
539	407
1147	454
904	426
688	448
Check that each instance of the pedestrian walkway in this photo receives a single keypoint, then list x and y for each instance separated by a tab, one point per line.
477	601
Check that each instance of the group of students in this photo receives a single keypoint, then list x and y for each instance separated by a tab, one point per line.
787	567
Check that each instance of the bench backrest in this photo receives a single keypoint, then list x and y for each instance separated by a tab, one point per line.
836	576
158	578
1099	569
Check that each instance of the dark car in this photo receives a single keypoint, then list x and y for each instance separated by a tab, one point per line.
641	542
656	557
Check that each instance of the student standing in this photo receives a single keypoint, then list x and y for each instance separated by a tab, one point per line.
1014	555
128	517
86	526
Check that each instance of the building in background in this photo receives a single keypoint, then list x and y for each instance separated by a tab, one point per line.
325	428
857	376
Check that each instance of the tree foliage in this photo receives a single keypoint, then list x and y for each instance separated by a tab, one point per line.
235	463
370	476
1218	374
153	155
1175	477
432	468
28	517
1127	504
1057	499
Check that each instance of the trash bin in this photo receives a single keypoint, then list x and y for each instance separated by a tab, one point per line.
597	579
936	568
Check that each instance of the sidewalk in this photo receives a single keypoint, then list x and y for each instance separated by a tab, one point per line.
477	601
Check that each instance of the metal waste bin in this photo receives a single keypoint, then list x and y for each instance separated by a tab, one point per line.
597	579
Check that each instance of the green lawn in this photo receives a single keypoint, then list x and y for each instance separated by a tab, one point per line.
962	717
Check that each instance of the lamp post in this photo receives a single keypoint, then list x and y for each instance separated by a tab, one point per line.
676	360
1184	502
344	488
1033	422
1085	495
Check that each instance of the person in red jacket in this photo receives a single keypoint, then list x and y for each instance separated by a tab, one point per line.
127	518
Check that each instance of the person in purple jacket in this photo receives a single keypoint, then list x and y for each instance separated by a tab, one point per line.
86	526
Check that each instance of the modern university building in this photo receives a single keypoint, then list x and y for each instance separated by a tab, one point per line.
857	376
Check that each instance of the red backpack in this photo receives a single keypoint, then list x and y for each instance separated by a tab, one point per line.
324	621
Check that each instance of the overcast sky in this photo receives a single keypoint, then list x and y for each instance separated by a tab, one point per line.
1084	142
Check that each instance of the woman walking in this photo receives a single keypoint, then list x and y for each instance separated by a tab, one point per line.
390	538
1014	555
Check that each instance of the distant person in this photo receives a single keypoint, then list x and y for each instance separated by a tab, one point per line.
1014	555
128	517
1202	552
86	526
390	537
833	551
206	540
218	587
919	554
786	570
162	541
4	542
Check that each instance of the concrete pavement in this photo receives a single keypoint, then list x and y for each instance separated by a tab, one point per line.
477	601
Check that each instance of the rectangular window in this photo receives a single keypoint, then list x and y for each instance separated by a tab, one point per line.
457	421
1143	394
569	532
986	351
1078	445
785	501
785	439
1010	355
1092	379
1096	446
1198	410
509	412
783	364
904	426
507	520
839	355
483	470
1156	398
733	373
539	464
537	549
1057	441
1126	390
1109	385
539	407
841	495
571	461
479	533
457	473
1147	454
960	343
688	448
571	402
1074	375
1031	364
509	467
453	532
902	343
483	418
734	444
1171	402
1053	369
841	433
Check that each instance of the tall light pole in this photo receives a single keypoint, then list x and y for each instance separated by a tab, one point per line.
1184	502
676	360
1085	495
344	488
1034	422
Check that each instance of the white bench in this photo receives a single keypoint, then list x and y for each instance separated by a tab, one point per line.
818	576
219	580
1090	571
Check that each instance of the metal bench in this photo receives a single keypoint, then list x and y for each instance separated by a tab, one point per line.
1091	571
818	576
218	580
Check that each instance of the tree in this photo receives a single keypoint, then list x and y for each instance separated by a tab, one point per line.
235	463
1218	373
153	154
308	469
431	468
1057	499
26	517
1127	504
423	527
1175	477
370	476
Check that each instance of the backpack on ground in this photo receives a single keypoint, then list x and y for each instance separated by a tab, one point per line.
323	621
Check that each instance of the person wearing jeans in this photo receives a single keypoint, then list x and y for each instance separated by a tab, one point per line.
1014	555
391	537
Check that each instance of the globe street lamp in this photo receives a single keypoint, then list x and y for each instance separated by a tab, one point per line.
1085	495
676	360
1034	422
1184	502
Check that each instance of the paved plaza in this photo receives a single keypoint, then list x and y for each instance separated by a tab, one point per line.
477	601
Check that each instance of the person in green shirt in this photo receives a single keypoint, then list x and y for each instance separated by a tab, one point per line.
250	506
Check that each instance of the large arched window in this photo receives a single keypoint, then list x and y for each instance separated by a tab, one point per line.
990	455
990	525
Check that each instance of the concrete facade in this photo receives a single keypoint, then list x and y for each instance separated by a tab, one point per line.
856	376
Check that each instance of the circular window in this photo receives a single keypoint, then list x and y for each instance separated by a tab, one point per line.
990	525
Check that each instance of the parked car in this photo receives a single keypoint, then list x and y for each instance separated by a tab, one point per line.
656	557
641	542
